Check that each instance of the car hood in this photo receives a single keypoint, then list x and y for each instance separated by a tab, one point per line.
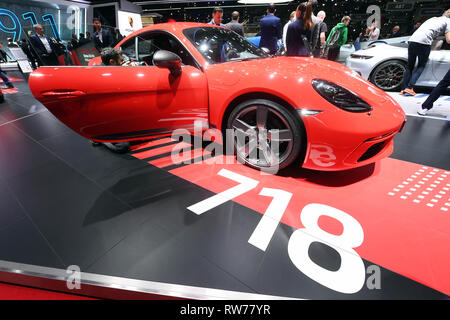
261	71
393	49
293	70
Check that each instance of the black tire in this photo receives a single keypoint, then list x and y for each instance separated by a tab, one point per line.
388	76
118	147
244	118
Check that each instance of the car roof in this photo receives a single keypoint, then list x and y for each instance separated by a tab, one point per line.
172	27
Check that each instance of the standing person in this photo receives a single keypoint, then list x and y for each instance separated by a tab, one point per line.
102	37
435	94
3	76
285	28
419	48
6	80
270	27
319	41
415	27
83	40
46	49
73	43
217	16
336	39
117	37
395	32
374	31
300	31
315	19
11	43
365	36
357	43
3	54
235	25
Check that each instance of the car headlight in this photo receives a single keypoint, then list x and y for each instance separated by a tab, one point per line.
340	97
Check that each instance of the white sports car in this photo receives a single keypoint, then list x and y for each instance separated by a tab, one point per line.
348	49
385	64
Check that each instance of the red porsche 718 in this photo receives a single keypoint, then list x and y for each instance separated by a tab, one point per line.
327	117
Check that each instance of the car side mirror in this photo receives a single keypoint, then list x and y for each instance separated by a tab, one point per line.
168	60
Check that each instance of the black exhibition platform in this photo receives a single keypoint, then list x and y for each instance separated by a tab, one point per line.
124	221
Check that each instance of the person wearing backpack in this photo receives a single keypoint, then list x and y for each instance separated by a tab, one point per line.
336	39
318	37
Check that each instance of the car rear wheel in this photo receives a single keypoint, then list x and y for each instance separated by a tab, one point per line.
388	76
266	136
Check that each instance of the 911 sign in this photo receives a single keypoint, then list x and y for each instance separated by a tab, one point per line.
348	279
14	27
10	22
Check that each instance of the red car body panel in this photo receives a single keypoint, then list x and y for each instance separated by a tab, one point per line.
128	103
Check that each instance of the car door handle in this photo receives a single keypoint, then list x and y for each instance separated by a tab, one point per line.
64	94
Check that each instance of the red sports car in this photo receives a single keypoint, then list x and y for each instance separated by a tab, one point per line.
320	114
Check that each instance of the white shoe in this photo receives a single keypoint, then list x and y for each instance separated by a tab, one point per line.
422	112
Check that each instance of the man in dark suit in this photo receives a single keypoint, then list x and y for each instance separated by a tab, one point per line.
83	40
102	37
235	25
271	30
45	48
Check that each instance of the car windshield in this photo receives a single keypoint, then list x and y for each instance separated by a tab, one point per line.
220	45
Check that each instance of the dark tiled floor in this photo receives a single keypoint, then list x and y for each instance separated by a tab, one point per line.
64	202
424	141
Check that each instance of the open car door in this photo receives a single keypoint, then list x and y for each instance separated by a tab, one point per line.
118	103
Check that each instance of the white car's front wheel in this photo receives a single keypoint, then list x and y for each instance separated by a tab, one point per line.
388	76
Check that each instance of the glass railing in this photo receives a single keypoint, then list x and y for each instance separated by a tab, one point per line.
42	47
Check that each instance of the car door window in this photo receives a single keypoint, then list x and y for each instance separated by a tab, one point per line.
143	47
129	49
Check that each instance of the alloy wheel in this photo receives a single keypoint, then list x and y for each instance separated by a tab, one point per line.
262	136
389	76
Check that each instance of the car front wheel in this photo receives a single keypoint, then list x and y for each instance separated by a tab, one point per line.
266	136
388	76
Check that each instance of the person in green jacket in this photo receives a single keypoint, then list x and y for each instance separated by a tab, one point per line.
337	38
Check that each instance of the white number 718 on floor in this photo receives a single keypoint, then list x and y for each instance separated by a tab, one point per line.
349	278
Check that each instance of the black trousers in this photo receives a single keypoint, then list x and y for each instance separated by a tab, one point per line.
333	53
5	79
415	51
48	60
436	93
